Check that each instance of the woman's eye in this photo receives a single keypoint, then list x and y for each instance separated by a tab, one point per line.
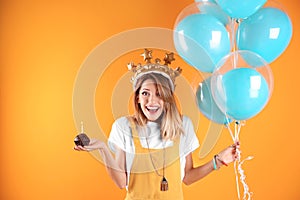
145	93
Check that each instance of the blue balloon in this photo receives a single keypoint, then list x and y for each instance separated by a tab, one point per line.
246	93
267	33
240	9
207	105
201	40
212	1
208	7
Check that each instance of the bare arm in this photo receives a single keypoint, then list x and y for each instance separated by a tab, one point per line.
115	166
193	174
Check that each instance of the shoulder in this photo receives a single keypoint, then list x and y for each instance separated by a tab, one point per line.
186	122
121	125
188	140
187	126
122	122
189	135
120	134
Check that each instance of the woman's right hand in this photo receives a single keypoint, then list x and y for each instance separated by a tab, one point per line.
93	145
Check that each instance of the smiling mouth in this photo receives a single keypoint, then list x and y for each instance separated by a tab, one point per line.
152	109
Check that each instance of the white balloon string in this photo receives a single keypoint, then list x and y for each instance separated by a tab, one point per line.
233	45
229	130
238	170
236	135
240	124
247	193
227	125
237	179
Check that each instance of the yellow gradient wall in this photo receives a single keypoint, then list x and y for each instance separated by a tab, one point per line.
43	44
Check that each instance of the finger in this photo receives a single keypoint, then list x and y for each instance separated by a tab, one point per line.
234	146
80	148
236	156
77	148
85	148
237	144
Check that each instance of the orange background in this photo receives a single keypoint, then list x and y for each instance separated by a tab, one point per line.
43	44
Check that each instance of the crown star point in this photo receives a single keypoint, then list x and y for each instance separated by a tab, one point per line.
178	71
131	66
147	55
157	61
169	57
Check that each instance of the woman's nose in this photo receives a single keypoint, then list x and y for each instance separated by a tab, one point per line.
152	98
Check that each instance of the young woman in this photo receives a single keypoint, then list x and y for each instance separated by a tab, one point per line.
153	148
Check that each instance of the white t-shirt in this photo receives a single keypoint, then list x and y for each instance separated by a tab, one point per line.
121	137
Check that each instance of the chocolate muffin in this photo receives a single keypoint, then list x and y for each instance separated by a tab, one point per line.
82	140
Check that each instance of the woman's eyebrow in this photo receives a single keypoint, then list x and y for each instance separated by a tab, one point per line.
145	89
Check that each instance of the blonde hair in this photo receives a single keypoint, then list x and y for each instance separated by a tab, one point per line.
171	122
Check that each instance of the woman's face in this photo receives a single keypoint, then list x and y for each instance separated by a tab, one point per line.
150	102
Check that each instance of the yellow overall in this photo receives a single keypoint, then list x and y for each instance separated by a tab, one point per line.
146	185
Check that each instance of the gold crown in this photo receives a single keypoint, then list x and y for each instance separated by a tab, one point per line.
156	67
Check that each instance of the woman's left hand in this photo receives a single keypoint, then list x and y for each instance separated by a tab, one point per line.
229	154
93	145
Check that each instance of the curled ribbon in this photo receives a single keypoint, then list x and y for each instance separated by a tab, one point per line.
238	163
